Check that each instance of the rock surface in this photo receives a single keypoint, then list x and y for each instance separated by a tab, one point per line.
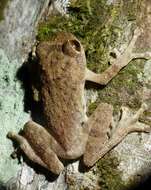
17	35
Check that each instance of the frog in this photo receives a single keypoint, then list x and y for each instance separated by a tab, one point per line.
68	133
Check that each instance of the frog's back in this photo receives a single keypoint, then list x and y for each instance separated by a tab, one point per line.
62	80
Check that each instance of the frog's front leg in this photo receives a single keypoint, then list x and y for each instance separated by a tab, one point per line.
97	145
39	146
121	61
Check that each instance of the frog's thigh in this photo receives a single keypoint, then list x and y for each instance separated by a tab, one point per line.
99	123
36	143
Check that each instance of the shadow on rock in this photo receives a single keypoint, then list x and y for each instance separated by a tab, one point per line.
2	186
27	74
144	184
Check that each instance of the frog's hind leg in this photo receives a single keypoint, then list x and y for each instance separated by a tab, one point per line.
98	126
127	124
36	144
25	146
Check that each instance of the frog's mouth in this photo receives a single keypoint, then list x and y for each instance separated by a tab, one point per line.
71	47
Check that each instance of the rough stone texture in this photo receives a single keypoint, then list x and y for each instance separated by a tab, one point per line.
16	38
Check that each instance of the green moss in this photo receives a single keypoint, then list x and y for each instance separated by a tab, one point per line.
96	24
92	107
93	23
109	175
3	4
124	88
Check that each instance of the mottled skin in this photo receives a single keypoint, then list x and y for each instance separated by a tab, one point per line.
62	82
67	132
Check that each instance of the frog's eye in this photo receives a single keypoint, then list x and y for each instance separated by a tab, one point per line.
71	47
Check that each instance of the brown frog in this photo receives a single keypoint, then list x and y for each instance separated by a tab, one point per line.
68	133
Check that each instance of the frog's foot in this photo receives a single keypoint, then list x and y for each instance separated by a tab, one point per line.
25	146
36	148
120	61
129	123
126	125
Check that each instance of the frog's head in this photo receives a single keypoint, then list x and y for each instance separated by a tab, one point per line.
63	43
63	53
